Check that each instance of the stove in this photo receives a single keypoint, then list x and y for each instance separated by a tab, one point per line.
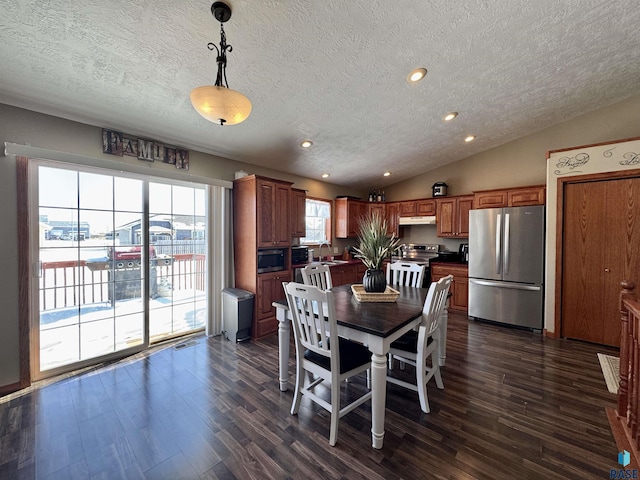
417	253
421	254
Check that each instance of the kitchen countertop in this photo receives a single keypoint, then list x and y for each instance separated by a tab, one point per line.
355	261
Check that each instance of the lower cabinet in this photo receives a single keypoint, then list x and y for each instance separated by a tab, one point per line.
347	273
343	274
459	301
269	290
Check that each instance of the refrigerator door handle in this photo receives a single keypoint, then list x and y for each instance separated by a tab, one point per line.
505	263
498	242
515	286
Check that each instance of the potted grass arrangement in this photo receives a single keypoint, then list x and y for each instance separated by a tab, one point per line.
374	246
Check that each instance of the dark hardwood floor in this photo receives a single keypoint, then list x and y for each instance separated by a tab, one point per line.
515	405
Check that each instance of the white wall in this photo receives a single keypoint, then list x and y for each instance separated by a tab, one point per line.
603	158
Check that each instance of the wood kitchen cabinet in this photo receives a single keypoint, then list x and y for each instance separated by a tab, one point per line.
511	197
459	289
344	273
298	212
393	219
390	212
274	213
452	215
348	213
261	219
379	208
417	208
270	289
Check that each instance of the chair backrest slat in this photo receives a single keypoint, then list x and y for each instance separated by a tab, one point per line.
318	276
314	318
405	273
435	303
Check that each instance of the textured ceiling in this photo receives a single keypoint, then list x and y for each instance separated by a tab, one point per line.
331	71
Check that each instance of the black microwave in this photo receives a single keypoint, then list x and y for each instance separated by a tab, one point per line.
272	260
299	254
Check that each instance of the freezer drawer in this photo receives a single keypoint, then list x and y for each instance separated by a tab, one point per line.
506	302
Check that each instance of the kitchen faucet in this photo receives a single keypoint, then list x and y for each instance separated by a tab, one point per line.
320	251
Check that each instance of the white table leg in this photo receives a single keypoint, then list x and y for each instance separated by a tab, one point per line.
378	398
442	343
283	351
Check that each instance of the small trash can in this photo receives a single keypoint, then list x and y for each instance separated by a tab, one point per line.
237	314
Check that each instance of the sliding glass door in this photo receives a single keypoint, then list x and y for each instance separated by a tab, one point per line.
121	263
177	224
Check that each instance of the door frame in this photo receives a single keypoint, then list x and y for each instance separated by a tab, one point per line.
562	181
28	283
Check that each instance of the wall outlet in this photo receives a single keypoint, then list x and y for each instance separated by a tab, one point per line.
336	250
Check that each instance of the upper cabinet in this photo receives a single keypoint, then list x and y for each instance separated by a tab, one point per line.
298	212
380	208
273	213
510	197
417	208
348	213
393	217
453	216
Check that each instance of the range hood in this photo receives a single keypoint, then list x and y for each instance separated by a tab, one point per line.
424	220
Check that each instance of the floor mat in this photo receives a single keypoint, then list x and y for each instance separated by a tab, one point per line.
611	371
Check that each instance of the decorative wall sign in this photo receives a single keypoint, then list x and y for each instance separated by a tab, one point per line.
630	158
570	163
129	146
121	144
112	142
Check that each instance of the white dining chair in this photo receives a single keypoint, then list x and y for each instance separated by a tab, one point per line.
405	273
318	276
321	352
408	274
419	348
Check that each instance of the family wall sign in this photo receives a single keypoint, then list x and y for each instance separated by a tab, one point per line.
121	144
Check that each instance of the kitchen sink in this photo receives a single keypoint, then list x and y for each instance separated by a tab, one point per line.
334	262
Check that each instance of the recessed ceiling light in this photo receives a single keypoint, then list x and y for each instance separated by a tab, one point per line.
325	175
470	138
306	143
450	116
386	174
417	75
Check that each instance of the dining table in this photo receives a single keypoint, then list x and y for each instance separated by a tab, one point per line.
374	324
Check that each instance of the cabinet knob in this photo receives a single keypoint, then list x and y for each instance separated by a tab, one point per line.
607	270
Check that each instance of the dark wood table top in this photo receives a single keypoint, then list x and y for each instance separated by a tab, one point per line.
377	318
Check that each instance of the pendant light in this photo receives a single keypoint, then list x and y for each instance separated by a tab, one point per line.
218	103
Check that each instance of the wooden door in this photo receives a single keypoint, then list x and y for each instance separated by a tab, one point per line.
446	210
465	204
264	207
356	212
298	213
426	207
393	219
601	248
282	215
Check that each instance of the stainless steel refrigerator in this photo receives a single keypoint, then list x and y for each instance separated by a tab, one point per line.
506	265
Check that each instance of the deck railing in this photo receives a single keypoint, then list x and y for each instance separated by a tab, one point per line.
625	425
72	283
